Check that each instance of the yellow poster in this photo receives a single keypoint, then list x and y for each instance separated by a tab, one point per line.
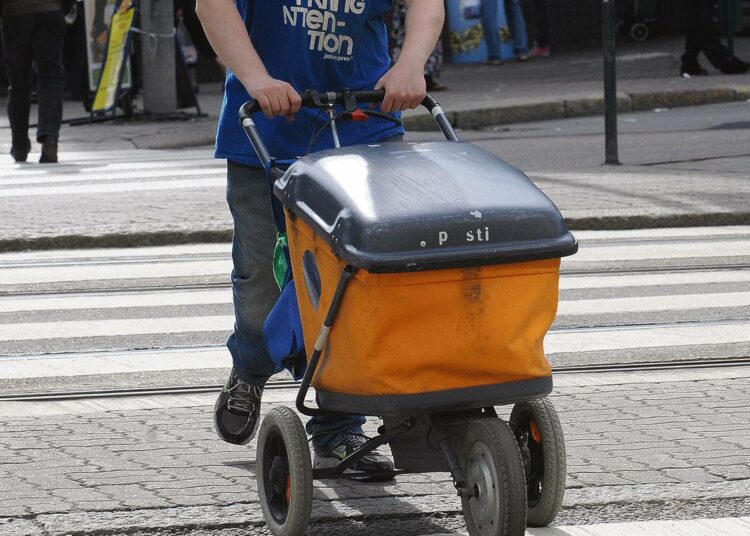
106	92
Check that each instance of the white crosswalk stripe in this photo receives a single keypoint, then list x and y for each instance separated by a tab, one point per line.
112	172
45	331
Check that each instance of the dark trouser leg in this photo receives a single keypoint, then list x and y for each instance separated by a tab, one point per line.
542	23
47	46
254	288
702	34
17	47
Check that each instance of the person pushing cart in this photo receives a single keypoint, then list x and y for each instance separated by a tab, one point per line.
274	51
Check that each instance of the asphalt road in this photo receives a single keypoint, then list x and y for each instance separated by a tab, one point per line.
622	296
712	138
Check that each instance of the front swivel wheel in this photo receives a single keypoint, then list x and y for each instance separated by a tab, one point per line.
540	437
284	473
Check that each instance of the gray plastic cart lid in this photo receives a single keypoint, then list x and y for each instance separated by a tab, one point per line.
398	206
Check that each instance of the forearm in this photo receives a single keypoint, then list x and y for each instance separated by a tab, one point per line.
228	36
424	23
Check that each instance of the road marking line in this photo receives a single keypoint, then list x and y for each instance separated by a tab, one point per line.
163	298
28	331
666	250
53	366
570	282
114	188
99	176
85	255
79	273
597	340
667	232
643	304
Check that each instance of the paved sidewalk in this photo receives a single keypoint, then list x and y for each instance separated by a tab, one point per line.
674	447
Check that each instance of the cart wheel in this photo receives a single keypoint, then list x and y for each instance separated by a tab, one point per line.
542	444
639	32
284	473
494	476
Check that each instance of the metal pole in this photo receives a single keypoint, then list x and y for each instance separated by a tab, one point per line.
159	70
610	83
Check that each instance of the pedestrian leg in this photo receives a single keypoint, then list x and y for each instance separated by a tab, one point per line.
489	27
254	288
518	28
47	47
17	50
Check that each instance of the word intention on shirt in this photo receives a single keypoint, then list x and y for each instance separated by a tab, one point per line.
323	21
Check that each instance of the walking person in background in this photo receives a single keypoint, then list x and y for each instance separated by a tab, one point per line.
541	25
33	31
517	26
397	36
702	35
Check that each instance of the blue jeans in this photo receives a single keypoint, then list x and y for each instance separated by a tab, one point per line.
254	290
516	23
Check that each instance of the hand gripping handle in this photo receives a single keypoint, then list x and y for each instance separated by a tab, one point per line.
324	99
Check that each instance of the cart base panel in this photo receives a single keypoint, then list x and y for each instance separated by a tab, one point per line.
436	401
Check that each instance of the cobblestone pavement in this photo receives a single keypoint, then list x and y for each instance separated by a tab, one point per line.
650	445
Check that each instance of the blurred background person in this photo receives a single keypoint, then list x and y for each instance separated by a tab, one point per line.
516	24
33	31
398	33
540	23
702	35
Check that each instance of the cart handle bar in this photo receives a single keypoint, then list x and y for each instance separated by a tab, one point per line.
326	99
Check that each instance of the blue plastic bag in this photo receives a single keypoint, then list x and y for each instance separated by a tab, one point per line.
282	332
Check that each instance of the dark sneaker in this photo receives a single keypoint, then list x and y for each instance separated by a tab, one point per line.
237	411
49	152
372	463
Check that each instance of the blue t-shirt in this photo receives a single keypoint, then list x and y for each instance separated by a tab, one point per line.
325	45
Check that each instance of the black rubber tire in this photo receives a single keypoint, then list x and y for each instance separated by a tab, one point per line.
282	444
639	32
490	456
546	469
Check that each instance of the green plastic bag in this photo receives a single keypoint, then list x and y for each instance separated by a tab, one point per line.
280	266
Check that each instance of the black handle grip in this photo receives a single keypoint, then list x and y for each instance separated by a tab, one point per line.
249	108
320	99
317	99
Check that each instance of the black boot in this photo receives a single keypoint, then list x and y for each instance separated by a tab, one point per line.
49	151
20	153
691	67
733	65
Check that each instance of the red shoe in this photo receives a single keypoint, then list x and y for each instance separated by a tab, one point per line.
540	52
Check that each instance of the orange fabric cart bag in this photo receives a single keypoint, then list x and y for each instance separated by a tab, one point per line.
456	257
